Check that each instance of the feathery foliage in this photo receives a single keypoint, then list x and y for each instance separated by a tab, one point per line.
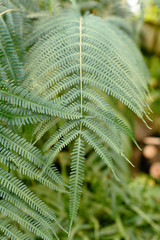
20	107
12	232
66	74
78	62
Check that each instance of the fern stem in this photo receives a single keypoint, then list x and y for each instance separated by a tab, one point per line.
8	10
80	59
75	188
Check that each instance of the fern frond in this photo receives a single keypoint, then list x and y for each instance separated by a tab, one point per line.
11	232
116	91
109	118
68	82
99	149
21	98
59	146
60	133
21	205
11	211
23	166
18	116
16	186
76	178
68	98
93	46
44	126
45	26
3	238
109	137
14	142
54	174
76	62
12	53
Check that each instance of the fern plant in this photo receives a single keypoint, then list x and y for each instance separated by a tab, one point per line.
19	107
69	70
78	62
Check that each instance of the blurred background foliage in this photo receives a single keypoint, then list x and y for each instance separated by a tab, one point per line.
112	210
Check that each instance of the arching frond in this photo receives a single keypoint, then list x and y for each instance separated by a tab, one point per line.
21	98
74	65
44	126
14	142
79	63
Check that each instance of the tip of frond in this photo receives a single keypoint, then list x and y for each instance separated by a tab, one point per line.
151	120
64	229
56	236
115	176
127	160
146	124
148	117
137	145
149	108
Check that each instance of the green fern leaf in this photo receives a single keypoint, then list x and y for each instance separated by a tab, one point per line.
59	146
14	161
12	53
76	178
75	63
15	186
11	211
100	150
12	232
18	116
21	98
21	205
44	126
60	133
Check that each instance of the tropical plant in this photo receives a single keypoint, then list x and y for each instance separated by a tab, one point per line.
75	63
69	70
19	107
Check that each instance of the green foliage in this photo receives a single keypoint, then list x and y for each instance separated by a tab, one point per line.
63	74
11	232
73	63
20	107
109	209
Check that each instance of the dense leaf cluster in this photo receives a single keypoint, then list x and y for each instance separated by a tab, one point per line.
66	69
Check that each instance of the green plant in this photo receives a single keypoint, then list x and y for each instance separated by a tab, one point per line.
76	59
109	210
19	107
75	66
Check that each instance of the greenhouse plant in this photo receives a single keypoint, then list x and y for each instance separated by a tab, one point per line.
64	144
